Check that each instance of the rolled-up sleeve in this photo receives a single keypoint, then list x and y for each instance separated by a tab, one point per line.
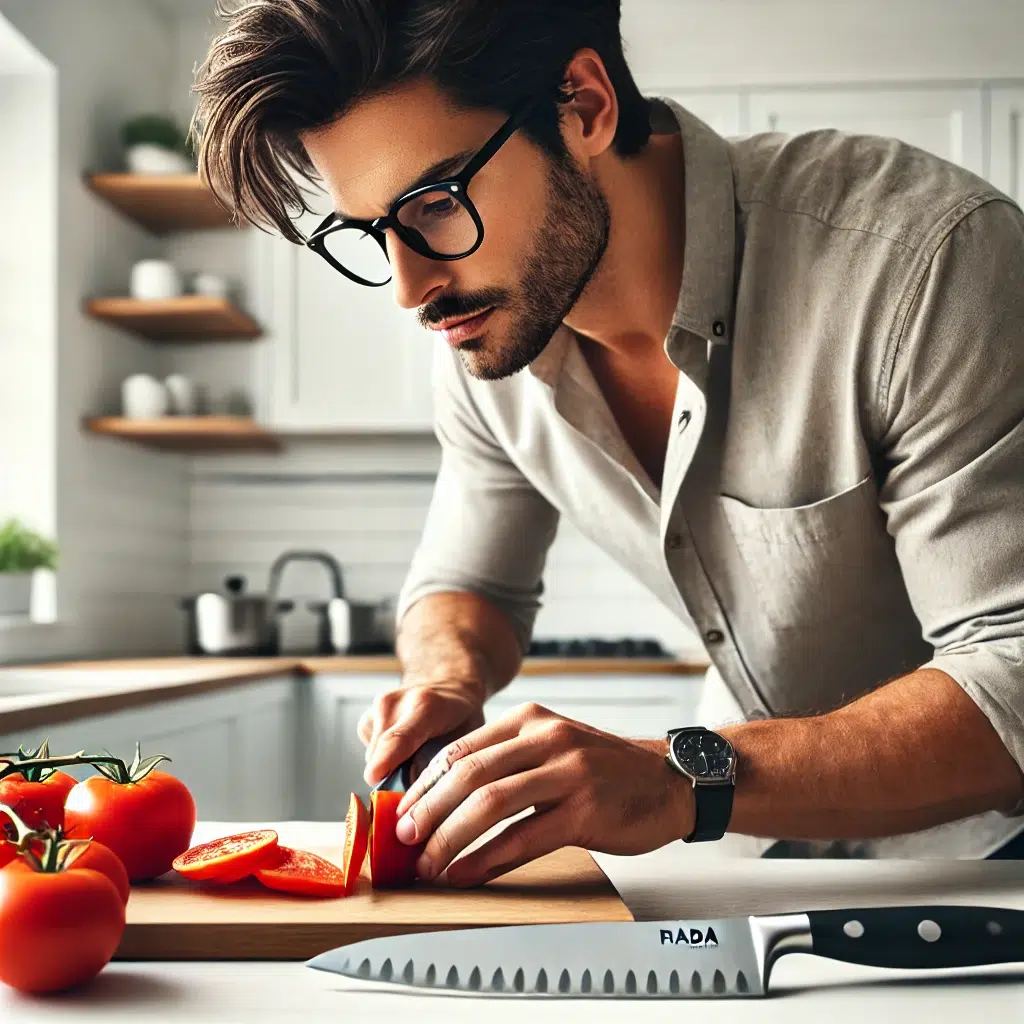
488	530
954	490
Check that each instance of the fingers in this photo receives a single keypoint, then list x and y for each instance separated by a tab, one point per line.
534	836
485	808
493	733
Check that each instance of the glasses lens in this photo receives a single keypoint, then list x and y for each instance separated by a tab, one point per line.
359	252
442	221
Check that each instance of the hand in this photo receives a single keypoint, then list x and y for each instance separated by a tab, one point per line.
399	722
589	788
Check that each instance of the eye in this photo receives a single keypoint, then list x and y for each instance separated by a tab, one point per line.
438	207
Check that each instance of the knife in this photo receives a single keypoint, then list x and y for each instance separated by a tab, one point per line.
402	777
678	959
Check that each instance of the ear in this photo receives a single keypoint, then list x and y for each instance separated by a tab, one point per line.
590	119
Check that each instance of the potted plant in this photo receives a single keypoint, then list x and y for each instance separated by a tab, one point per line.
154	144
22	551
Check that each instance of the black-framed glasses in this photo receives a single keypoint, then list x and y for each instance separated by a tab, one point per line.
437	220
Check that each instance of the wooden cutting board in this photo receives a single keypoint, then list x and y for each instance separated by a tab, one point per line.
175	919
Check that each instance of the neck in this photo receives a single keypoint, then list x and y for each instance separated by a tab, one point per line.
628	304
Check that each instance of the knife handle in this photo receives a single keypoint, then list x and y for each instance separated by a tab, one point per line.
919	936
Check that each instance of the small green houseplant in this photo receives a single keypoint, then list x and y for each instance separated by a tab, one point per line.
22	551
154	144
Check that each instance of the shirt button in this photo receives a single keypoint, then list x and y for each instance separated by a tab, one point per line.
714	636
718	328
674	541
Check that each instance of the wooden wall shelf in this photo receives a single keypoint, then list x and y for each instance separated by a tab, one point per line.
162	203
188	318
188	433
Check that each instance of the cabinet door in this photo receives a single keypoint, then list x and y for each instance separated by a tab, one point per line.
234	749
722	111
1007	139
947	122
343	357
643	707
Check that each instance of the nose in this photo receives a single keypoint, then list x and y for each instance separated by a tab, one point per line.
414	278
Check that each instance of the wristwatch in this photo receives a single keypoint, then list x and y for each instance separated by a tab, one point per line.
709	762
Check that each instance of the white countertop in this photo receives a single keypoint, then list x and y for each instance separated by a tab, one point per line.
708	881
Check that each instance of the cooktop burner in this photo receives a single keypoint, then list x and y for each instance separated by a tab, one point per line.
627	647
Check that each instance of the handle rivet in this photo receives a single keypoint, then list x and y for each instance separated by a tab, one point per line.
853	929
929	931
994	928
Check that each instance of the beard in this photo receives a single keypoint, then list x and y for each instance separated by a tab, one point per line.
562	259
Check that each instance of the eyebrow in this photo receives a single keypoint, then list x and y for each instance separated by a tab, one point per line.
435	172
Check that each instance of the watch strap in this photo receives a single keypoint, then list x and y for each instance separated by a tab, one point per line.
712	811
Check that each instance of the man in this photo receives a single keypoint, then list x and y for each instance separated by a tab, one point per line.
781	380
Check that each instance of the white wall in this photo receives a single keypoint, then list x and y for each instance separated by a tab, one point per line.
121	511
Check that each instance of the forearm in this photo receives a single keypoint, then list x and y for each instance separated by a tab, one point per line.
913	754
458	636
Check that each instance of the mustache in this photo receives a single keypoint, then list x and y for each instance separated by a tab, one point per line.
451	305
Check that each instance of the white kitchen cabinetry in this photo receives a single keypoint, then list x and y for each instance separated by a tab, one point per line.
722	111
234	749
947	122
341	357
641	706
1006	133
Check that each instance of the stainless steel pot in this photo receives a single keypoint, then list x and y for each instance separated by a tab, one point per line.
351	627
234	622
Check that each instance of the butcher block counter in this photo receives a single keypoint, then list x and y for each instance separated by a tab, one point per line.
29	693
677	882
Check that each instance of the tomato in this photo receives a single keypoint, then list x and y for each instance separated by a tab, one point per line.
392	862
357	836
302	873
38	804
230	858
57	929
94	857
147	823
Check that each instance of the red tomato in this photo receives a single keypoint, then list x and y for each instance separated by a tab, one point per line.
146	823
357	836
230	858
392	863
302	873
38	804
57	930
95	857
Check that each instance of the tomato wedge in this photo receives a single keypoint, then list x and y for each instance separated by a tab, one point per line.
302	873
228	858
357	837
392	862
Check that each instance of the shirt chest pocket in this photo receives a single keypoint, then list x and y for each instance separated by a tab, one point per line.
830	562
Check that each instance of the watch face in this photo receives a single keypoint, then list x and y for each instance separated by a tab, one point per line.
704	755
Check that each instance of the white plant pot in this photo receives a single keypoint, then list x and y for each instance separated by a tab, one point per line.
15	593
148	159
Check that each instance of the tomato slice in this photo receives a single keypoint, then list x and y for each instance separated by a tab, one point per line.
357	837
237	855
302	873
392	863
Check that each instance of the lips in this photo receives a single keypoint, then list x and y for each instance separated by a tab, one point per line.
462	330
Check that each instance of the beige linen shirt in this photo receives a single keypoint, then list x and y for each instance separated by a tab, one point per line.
843	490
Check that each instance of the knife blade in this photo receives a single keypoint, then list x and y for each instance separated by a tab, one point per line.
731	957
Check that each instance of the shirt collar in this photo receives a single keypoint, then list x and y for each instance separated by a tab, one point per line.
705	305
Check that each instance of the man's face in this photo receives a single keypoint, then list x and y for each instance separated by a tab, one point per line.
545	222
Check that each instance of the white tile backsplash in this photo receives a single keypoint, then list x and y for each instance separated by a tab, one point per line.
365	502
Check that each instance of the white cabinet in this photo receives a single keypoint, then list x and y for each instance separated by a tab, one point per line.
640	706
234	749
722	111
341	357
947	122
1006	132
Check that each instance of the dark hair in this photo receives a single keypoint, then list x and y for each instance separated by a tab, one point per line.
282	67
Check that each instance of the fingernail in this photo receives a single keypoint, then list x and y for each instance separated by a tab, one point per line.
405	830
425	867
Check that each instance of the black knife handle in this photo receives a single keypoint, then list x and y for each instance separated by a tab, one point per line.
919	936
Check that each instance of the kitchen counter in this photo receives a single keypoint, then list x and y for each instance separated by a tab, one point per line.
29	694
678	881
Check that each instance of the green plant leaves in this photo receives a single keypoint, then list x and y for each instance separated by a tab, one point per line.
24	550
